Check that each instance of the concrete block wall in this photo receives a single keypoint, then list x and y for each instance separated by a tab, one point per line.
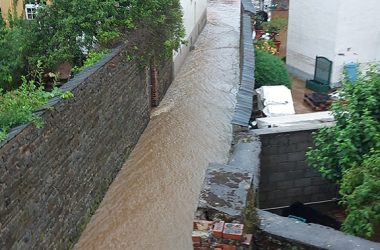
52	179
285	176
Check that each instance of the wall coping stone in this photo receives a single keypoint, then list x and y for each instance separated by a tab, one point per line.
312	236
297	128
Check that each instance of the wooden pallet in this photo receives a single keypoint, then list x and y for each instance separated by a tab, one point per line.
316	107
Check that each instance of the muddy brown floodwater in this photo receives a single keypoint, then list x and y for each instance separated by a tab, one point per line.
151	203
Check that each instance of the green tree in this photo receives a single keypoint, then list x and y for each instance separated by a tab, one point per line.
67	30
158	29
13	53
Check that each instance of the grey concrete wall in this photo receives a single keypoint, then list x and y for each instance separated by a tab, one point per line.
276	232
285	176
52	179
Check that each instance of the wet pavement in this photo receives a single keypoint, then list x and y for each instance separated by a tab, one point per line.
152	201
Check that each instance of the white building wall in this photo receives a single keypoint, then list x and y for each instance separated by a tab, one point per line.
311	32
194	19
358	34
342	30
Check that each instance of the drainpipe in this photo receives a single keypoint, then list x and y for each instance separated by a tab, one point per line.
154	89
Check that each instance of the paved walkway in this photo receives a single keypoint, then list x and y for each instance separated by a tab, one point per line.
151	203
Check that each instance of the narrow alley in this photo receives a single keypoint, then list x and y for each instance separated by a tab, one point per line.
151	203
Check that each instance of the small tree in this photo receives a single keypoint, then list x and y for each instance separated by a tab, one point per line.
158	29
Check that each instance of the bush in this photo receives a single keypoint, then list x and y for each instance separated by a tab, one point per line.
66	31
17	106
270	70
14	46
357	129
348	153
360	193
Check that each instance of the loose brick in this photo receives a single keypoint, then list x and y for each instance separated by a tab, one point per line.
196	239
233	231
202	225
218	229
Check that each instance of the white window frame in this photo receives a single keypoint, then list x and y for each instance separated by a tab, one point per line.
31	11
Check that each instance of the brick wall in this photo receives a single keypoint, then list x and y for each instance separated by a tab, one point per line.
165	78
52	179
161	79
284	175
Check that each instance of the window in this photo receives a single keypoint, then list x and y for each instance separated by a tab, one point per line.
31	7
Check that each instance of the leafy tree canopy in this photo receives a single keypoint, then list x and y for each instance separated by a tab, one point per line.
66	31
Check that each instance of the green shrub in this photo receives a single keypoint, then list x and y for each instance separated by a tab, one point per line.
360	193
17	106
14	46
65	31
92	58
270	70
348	153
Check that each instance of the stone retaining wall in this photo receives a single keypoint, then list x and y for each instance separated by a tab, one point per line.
52	179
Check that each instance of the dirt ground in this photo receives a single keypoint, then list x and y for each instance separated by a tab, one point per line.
298	92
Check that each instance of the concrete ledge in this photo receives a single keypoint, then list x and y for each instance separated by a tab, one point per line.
268	131
225	189
309	236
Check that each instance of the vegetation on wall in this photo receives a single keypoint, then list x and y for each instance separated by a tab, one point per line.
360	189
66	31
270	70
348	152
78	32
17	106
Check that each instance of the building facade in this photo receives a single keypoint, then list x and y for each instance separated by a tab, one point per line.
344	31
194	19
22	8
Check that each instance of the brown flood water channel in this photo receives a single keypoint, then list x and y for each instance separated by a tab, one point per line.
151	203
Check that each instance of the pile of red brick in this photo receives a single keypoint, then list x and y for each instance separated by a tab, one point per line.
218	235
